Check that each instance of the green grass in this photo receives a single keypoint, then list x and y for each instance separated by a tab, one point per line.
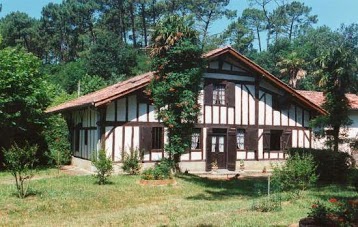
193	201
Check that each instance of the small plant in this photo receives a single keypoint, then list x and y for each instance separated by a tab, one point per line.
131	162
161	171
298	173
242	164
214	165
267	204
104	167
20	162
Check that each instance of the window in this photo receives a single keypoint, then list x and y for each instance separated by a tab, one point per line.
240	138
157	138
86	137
195	139
219	94
275	140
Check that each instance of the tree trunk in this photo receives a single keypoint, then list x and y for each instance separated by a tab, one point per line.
258	38
335	138
131	10
144	25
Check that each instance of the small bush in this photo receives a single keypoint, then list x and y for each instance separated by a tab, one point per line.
20	162
104	167
58	157
298	173
267	204
161	171
331	166
353	178
131	162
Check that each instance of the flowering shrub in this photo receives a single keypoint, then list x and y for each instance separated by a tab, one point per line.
336	213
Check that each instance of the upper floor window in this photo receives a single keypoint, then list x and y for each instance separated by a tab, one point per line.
219	94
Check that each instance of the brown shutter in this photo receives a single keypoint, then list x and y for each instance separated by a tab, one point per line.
145	139
231	162
266	135
251	139
208	149
230	94
208	93
286	140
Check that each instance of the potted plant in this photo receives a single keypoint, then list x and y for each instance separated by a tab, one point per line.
214	165
242	164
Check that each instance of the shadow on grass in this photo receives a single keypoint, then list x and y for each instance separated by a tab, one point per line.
219	189
326	191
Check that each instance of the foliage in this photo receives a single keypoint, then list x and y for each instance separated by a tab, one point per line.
20	162
23	98
161	171
331	166
131	162
110	58
104	166
267	204
335	213
175	87
298	173
90	84
338	67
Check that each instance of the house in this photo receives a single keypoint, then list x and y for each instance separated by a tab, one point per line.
246	114
351	131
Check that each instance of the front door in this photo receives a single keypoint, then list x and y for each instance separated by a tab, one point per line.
217	151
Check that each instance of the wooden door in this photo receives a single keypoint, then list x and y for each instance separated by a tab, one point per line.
217	150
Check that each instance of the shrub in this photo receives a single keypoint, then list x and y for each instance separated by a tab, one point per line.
353	178
335	212
20	162
298	173
162	170
58	157
331	166
131	162
104	167
267	204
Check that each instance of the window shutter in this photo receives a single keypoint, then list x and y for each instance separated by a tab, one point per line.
145	139
266	135
251	139
231	162
230	94
208	94
286	140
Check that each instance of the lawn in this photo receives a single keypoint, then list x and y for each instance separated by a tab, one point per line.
76	201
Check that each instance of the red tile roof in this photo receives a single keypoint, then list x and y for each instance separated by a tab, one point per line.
106	94
118	90
318	98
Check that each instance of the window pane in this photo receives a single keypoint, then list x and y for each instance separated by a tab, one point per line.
213	143
195	140
221	144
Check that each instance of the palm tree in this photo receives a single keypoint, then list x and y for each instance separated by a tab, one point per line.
292	67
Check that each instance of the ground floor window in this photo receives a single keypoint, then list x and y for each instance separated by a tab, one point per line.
240	139
275	140
196	139
157	138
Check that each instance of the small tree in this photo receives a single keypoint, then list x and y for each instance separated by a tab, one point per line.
131	162
20	162
298	173
177	63
104	167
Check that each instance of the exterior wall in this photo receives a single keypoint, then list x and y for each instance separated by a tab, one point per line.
84	133
125	123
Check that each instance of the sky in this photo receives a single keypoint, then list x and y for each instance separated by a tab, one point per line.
330	12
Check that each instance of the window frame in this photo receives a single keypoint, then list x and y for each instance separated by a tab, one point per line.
199	137
242	137
157	133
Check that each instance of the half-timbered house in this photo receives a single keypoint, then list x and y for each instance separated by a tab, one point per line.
246	114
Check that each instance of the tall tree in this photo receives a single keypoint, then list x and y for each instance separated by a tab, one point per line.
338	67
255	19
291	66
239	36
208	11
177	63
